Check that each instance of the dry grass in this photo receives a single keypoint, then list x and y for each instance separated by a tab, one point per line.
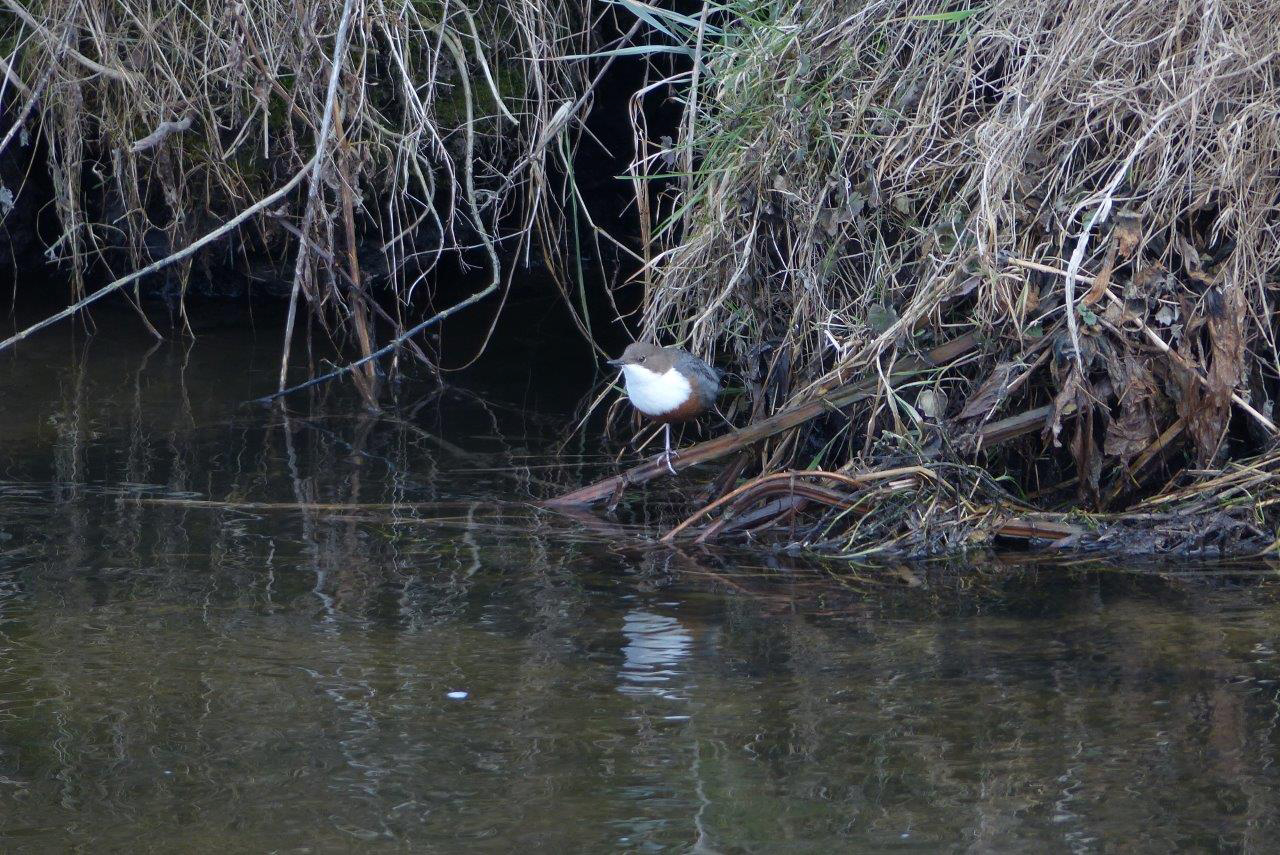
429	126
865	180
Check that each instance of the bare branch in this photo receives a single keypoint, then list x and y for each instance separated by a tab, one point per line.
157	136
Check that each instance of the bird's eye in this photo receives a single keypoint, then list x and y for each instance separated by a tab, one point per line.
643	358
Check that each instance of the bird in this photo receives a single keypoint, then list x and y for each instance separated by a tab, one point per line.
667	385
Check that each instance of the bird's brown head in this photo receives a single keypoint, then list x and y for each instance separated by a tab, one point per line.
652	357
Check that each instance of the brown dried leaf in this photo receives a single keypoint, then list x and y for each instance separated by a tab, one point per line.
1103	279
1207	407
1085	451
1145	283
1208	423
1135	428
1127	233
1068	400
1129	435
988	397
1191	262
1124	240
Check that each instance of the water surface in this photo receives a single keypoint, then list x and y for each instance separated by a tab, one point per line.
230	628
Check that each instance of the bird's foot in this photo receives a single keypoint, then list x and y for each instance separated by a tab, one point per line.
667	457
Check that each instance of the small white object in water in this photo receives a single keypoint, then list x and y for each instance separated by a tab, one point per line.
456	696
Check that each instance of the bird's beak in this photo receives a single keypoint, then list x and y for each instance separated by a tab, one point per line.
616	363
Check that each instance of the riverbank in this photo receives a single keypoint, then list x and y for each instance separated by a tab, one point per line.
985	270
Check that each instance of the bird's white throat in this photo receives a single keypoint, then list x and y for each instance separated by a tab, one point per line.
655	394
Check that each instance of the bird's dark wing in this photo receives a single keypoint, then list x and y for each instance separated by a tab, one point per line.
706	378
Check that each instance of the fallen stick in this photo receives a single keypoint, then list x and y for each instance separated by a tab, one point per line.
721	446
1031	528
6	71
994	433
162	130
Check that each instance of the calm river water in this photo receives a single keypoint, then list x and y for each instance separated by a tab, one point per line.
227	628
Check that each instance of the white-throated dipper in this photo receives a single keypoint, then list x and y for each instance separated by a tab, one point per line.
667	385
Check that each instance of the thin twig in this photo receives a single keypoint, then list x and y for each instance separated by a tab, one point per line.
26	110
14	80
313	192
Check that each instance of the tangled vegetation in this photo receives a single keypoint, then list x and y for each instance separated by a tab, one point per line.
1072	207
300	130
998	270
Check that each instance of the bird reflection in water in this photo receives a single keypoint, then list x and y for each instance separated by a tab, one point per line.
656	645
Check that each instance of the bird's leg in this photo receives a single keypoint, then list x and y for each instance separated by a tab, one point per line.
667	454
